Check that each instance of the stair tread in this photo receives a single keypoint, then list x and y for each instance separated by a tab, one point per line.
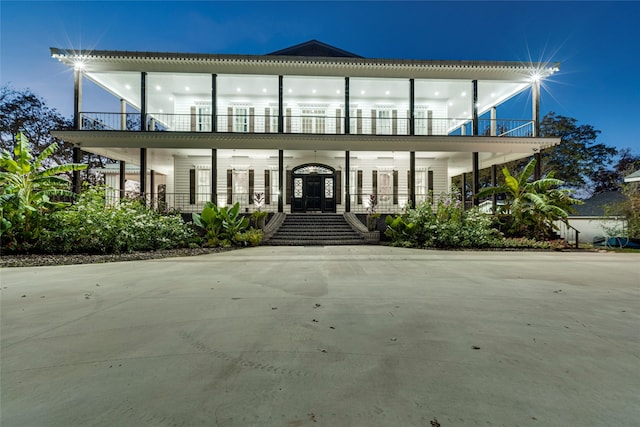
310	229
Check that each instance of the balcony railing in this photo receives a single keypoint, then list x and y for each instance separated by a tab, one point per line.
322	125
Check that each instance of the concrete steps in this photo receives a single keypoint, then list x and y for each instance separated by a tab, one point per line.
315	230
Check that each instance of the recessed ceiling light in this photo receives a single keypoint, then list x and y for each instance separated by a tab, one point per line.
387	93
171	98
158	87
450	103
186	88
493	94
463	93
264	90
362	92
313	91
290	90
437	93
465	114
127	86
161	110
338	91
239	90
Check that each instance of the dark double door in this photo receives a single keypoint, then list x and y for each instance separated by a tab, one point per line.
313	193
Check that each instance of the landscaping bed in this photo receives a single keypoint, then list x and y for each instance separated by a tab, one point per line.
35	260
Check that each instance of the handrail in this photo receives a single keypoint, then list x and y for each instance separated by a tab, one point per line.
577	232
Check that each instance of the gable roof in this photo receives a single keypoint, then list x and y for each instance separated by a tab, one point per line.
598	204
634	177
314	48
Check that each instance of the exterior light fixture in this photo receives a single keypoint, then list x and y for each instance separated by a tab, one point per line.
264	90
127	86
186	88
290	90
362	92
313	91
158	87
238	90
79	64
437	93
338	91
387	93
463	94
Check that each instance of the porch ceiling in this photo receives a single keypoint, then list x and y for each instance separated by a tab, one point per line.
163	146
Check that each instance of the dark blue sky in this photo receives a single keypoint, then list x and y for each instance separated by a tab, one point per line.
597	43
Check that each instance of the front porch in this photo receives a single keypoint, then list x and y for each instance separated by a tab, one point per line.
293	180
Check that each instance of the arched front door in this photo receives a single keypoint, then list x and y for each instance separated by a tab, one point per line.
313	189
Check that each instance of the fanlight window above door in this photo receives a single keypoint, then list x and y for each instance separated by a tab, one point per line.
313	169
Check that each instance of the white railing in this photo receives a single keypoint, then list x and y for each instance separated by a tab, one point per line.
323	125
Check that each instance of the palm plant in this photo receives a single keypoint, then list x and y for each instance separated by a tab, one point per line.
28	190
532	206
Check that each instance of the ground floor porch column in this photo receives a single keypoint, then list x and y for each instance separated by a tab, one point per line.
214	176
152	186
77	180
475	178
123	178
280	180
347	182
537	171
494	183
463	189
143	174
412	179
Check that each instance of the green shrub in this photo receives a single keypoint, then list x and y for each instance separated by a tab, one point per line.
91	226
251	237
446	226
221	225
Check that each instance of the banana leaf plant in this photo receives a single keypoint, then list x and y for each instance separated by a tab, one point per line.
532	206
29	190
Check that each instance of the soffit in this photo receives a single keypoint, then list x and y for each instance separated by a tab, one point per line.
286	65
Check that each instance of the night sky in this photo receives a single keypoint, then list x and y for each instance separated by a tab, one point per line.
597	43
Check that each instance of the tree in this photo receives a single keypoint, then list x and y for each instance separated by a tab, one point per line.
28	190
579	156
23	111
612	178
531	207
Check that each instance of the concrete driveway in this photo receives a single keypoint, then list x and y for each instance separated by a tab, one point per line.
325	336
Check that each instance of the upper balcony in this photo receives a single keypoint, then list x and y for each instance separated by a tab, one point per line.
312	105
385	122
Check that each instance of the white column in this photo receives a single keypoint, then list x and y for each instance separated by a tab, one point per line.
77	98
535	106
123	114
494	125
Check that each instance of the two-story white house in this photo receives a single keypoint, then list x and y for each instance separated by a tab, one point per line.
312	127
